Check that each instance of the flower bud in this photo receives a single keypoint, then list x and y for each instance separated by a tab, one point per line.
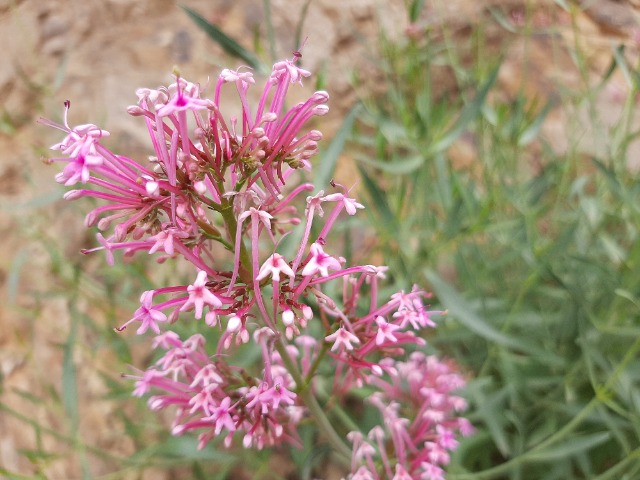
103	224
200	187
152	188
211	319
268	117
320	97
320	110
288	317
315	135
91	219
135	110
257	132
72	194
234	324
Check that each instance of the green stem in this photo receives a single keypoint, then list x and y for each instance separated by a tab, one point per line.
324	425
315	364
245	268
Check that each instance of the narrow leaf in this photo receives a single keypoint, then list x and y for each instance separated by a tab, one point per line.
575	445
69	375
531	132
325	170
227	43
470	112
379	200
403	166
465	314
415	9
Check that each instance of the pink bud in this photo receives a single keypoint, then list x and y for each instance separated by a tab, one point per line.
103	224
90	220
288	317
320	110
320	97
72	194
200	187
315	135
211	319
234	324
135	110
268	117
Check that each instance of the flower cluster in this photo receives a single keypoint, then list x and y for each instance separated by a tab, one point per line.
216	184
419	417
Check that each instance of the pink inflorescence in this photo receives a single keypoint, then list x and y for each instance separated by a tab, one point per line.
214	182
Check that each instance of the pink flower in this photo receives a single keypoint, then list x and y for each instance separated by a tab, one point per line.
186	97
401	473
207	375
289	69
214	185
273	266
165	240
342	339
147	315
350	204
363	473
200	295
385	331
278	393
221	416
320	262
79	169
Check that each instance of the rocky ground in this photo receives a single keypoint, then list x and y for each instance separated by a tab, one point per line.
97	52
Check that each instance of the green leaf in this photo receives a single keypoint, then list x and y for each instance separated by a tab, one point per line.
227	43
379	200
531	132
502	19
464	313
325	170
69	384
415	9
618	56
470	112
403	166
574	445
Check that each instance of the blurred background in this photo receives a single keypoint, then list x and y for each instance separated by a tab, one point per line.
494	144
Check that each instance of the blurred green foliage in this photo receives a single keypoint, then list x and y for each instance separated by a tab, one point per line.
533	250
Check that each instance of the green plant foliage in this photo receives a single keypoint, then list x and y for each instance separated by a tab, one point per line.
534	253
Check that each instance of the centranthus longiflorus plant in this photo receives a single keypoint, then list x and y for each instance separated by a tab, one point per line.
215	182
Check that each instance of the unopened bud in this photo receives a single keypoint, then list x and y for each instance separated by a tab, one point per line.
211	319
320	110
315	135
268	117
200	187
135	110
288	317
152	188
320	97
90	220
72	195
103	224
233	326
257	132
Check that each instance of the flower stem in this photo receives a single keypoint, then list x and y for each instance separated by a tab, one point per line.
324	425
